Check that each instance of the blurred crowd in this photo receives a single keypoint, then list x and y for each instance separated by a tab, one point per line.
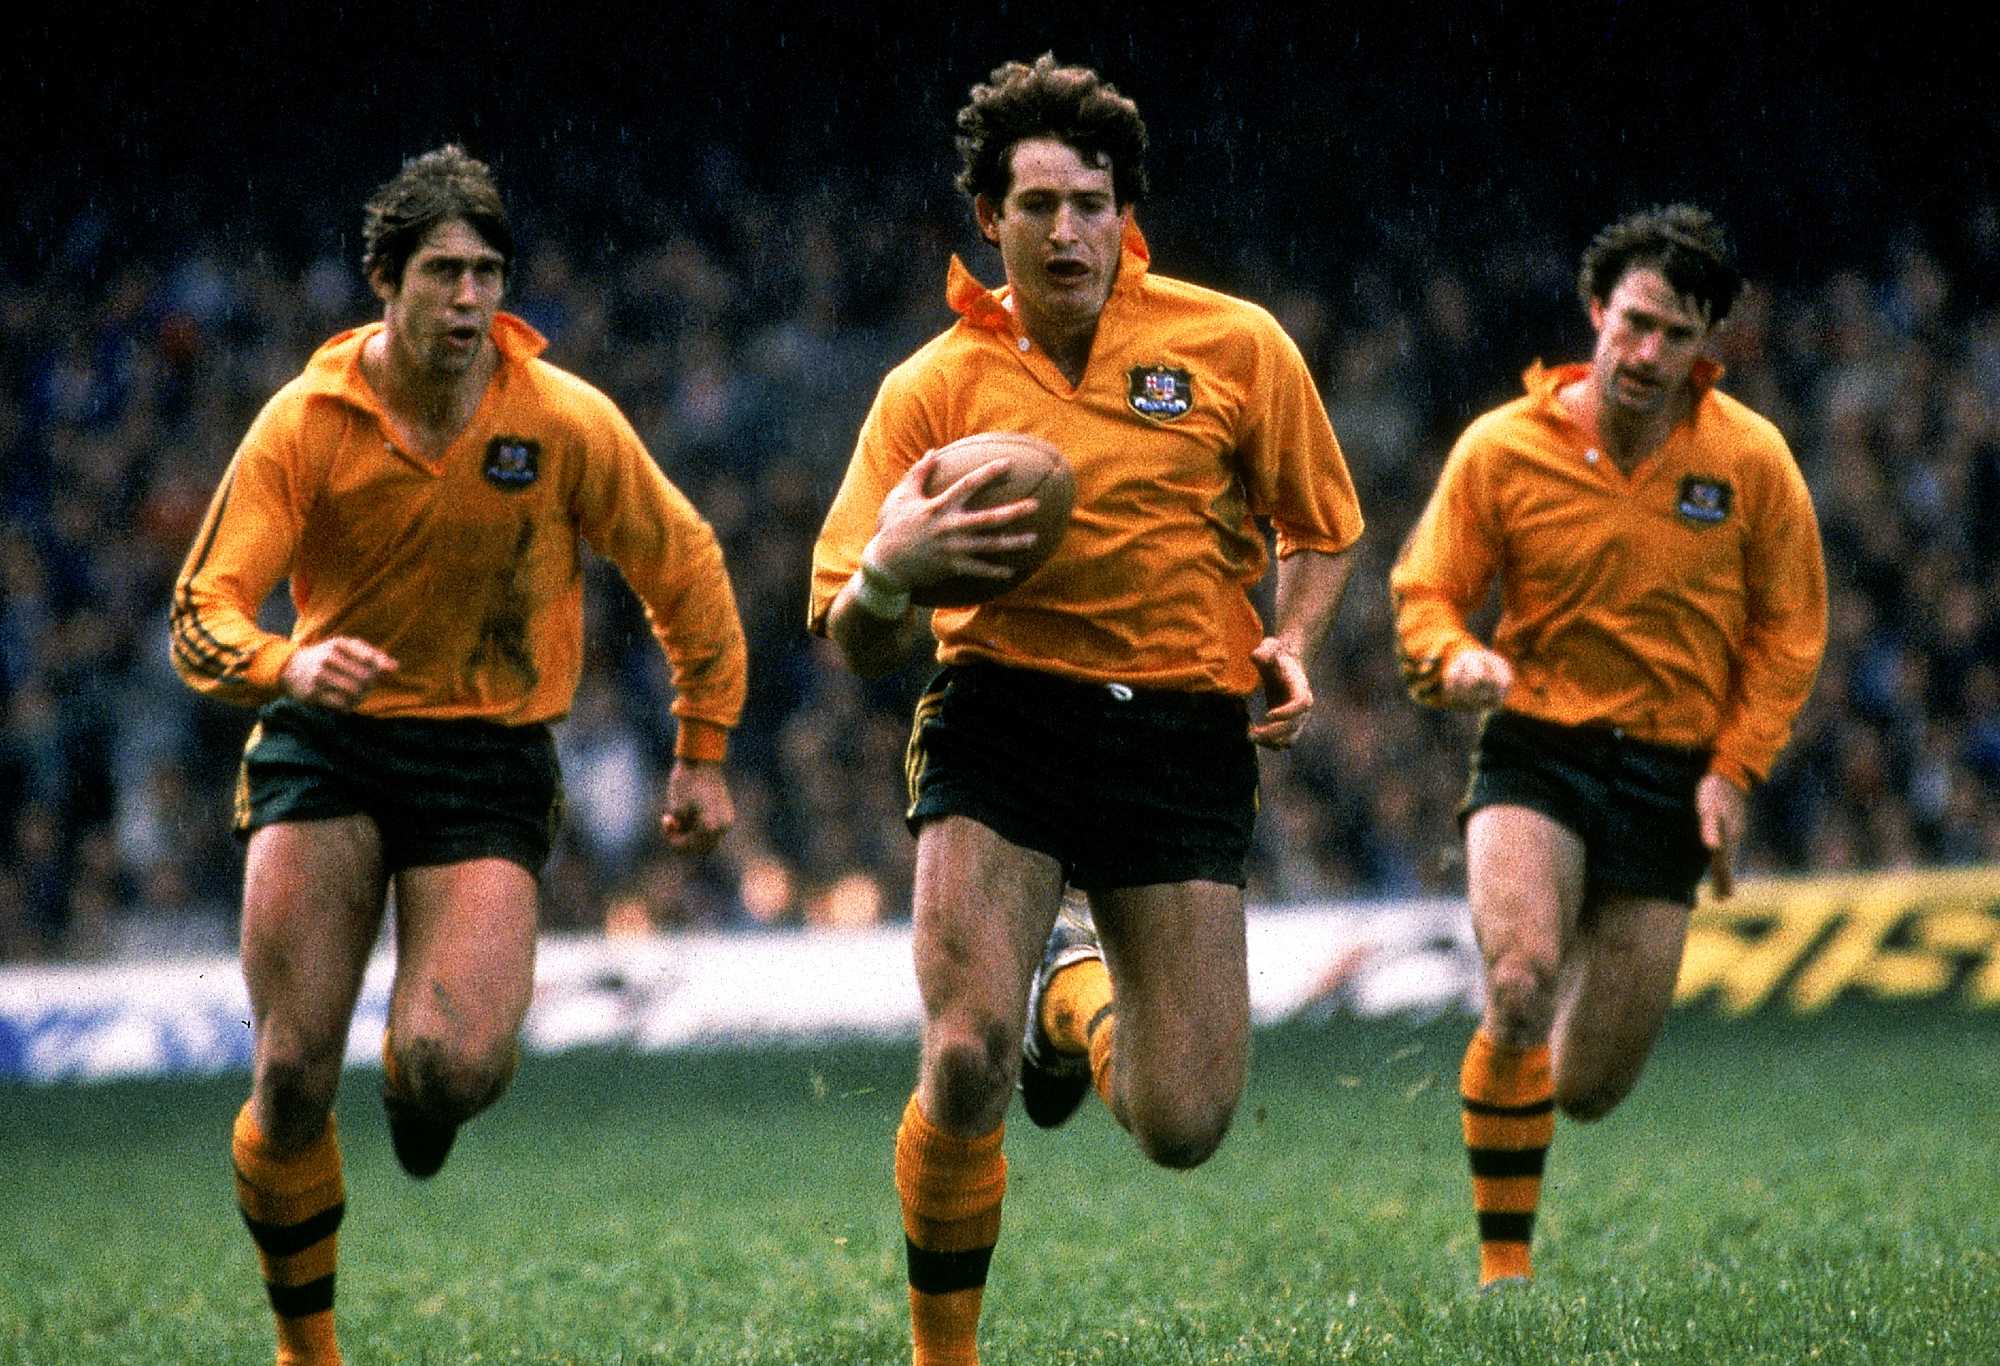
745	345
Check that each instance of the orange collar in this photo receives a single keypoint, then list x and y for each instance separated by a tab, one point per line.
1544	382
335	368
983	307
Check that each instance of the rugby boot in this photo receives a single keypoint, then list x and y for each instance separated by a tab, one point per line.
421	1141
1053	1082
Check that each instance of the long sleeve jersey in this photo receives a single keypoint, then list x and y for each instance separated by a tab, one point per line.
468	569
1684	602
1195	416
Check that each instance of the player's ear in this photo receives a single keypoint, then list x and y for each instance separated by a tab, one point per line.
988	217
1596	315
379	281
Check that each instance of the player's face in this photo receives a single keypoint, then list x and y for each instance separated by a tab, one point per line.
440	314
1058	231
1648	339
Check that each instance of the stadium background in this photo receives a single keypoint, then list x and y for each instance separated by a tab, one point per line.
735	217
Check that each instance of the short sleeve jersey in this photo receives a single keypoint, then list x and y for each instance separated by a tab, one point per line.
1195	418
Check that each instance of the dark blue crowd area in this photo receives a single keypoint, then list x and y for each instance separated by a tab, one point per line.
745	346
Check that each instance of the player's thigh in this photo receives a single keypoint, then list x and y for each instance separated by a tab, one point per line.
1524	879
982	912
1177	961
1617	986
313	907
465	954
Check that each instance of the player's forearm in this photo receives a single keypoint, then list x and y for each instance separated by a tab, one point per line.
219	650
690	606
710	672
1779	657
871	627
1430	633
1774	678
1311	584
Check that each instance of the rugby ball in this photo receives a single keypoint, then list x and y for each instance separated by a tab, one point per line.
1034	469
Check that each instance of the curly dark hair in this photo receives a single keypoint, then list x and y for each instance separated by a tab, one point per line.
1682	242
1071	104
430	189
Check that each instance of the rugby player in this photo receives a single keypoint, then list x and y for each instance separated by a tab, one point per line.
1662	616
1090	727
426	484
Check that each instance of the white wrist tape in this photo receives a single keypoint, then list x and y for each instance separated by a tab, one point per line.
878	593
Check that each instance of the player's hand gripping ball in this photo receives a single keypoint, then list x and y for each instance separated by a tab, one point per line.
1035	469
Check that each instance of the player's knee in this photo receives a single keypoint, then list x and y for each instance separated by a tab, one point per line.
296	1082
454	1081
1185	1135
970	1070
1587	1104
1520	988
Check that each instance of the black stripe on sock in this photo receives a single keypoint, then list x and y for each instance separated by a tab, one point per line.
296	1301
1496	1226
283	1240
940	1273
1507	1161
1104	1012
1528	1111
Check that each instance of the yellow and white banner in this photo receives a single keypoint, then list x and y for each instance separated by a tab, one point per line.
1780	944
1803	944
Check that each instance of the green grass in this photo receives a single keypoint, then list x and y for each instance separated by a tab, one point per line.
1777	1190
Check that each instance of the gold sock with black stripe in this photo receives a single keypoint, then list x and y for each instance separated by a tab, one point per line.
1080	1015
1102	1032
292	1205
1510	1120
950	1189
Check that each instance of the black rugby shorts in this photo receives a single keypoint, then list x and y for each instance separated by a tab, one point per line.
1631	802
439	791
1124	787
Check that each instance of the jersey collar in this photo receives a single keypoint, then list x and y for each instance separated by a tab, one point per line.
335	369
1544	382
983	307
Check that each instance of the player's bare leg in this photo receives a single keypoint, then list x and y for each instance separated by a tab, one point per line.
465	966
1526	881
312	905
1178	1050
983	907
1616	985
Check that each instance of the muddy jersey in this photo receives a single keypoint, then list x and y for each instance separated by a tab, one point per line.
1195	420
1684	602
467	569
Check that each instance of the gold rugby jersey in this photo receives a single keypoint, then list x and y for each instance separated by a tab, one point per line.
1684	602
1195	416
467	570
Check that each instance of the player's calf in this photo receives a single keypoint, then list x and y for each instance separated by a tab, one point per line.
1508	1096
292	1201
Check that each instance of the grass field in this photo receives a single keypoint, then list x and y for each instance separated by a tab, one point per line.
1777	1190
